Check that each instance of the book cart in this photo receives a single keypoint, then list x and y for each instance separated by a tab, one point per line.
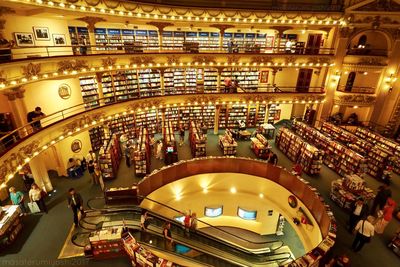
228	143
142	153
345	191
170	149
141	256
110	158
260	146
105	244
298	150
197	140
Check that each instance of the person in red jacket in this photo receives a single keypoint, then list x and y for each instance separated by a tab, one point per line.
386	216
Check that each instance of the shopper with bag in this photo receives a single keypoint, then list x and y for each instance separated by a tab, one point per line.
386	217
36	195
75	202
359	210
364	232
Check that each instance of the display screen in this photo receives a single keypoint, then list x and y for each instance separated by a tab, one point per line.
179	219
247	214
213	212
170	149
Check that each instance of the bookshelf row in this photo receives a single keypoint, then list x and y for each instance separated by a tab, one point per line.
110	158
142	153
197	140
298	150
338	157
115	38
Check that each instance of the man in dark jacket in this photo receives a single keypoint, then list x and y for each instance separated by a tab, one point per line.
381	197
75	202
359	210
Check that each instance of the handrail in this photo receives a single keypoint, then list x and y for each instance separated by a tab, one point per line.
13	137
367	51
356	89
23	53
182	213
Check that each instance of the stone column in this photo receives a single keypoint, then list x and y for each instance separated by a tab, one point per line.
40	174
160	26
274	72
18	108
162	87
221	28
216	118
91	25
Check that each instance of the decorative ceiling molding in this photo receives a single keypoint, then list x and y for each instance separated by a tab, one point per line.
71	65
354	99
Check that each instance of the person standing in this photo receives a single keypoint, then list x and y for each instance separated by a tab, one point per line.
168	241
181	135
75	202
159	154
186	222
365	231
386	216
28	179
91	170
144	220
17	198
34	117
128	157
358	211
273	158
193	222
36	195
297	169
380	199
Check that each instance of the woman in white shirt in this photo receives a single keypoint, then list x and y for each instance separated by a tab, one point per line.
35	195
365	231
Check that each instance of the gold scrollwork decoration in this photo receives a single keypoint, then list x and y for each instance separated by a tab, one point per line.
70	65
108	61
31	70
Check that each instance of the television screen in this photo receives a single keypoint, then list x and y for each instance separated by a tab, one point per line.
247	214
213	212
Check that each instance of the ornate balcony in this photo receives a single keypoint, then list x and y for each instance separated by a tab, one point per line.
356	89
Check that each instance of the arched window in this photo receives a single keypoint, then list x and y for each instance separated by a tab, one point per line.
362	41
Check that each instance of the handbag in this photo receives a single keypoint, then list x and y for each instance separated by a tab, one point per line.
33	207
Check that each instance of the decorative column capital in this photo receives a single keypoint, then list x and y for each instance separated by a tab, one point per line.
160	25
14	93
91	22
222	27
281	29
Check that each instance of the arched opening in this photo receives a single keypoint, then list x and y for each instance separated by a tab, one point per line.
369	43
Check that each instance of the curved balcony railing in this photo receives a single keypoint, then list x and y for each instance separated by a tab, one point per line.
10	54
356	89
10	139
367	52
254	4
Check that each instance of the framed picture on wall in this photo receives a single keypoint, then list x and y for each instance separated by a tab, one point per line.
41	33
24	39
264	76
59	39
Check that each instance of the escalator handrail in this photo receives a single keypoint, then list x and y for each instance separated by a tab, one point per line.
281	243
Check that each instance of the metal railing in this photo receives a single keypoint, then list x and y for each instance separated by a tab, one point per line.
356	89
367	52
18	53
12	138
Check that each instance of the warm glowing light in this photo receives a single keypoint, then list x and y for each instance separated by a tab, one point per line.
261	195
233	190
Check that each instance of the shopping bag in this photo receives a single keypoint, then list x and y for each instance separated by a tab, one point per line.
33	207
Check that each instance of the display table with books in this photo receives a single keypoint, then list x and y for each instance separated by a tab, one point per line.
260	146
10	224
228	143
346	190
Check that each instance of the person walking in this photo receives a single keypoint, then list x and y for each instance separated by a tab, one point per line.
159	153
75	202
272	158
17	198
365	231
386	217
128	156
359	210
380	199
91	170
181	135
37	195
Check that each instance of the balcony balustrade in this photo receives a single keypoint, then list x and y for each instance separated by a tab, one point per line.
356	89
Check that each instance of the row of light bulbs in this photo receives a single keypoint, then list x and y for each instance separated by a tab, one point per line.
188	18
117	115
151	65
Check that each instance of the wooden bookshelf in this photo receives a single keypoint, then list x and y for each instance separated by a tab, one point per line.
247	77
149	82
142	153
197	140
170	148
260	146
90	91
96	135
110	158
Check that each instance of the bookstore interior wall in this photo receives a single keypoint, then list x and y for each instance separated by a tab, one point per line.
26	24
46	95
186	194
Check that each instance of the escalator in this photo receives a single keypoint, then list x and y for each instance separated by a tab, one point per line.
202	247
